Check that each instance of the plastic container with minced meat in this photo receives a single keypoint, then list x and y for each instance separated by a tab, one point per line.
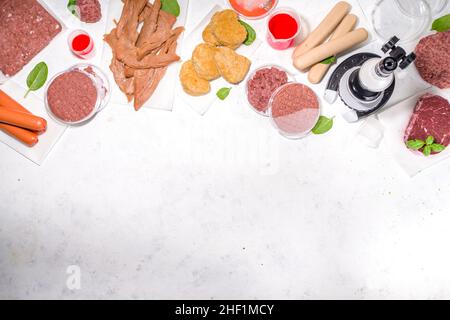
75	96
262	83
27	27
294	110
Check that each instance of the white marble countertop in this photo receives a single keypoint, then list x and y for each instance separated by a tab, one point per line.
163	205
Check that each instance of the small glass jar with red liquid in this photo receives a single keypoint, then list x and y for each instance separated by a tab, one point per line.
283	28
81	44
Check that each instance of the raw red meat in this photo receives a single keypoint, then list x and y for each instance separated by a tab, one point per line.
262	85
431	117
26	28
89	11
72	96
433	59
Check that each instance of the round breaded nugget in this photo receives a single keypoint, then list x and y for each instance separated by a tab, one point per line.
228	30
208	35
232	66
204	62
191	82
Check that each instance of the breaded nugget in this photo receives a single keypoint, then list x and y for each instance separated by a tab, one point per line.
204	62
208	35
191	82
232	66
228	30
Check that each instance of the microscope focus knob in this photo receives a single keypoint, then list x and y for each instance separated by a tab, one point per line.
407	61
390	45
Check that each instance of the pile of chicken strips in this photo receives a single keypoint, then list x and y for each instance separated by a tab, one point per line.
144	44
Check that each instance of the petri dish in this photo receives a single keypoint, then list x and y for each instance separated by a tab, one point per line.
406	19
437	6
264	87
294	110
97	81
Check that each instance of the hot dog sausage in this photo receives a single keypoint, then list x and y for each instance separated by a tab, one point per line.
331	48
25	136
319	71
324	30
8	102
22	119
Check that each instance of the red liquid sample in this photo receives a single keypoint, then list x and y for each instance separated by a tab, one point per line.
81	42
283	26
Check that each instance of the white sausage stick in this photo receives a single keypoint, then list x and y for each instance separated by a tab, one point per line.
324	30
331	48
318	72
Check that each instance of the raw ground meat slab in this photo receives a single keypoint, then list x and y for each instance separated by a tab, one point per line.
26	28
433	59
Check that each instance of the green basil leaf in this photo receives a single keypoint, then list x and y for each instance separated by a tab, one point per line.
223	93
442	24
435	147
72	5
171	6
430	140
415	144
329	60
251	33
37	77
323	125
427	151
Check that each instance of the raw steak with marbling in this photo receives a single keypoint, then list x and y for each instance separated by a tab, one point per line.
431	117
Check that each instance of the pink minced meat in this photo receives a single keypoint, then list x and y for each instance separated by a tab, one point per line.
433	59
431	117
295	109
26	28
262	85
72	96
89	11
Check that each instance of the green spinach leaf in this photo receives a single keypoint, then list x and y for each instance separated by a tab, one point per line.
329	60
37	77
223	93
72	5
171	6
323	125
442	24
251	33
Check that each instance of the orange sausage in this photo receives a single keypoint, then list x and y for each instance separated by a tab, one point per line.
8	102
25	136
22	119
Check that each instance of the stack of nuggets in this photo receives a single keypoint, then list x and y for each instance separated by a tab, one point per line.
216	57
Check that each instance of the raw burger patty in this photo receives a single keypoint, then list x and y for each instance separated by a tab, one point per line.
431	117
90	11
25	29
72	96
433	59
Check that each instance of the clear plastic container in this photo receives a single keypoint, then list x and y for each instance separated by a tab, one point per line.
265	113
253	9
406	19
437	6
290	113
101	83
283	44
84	48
